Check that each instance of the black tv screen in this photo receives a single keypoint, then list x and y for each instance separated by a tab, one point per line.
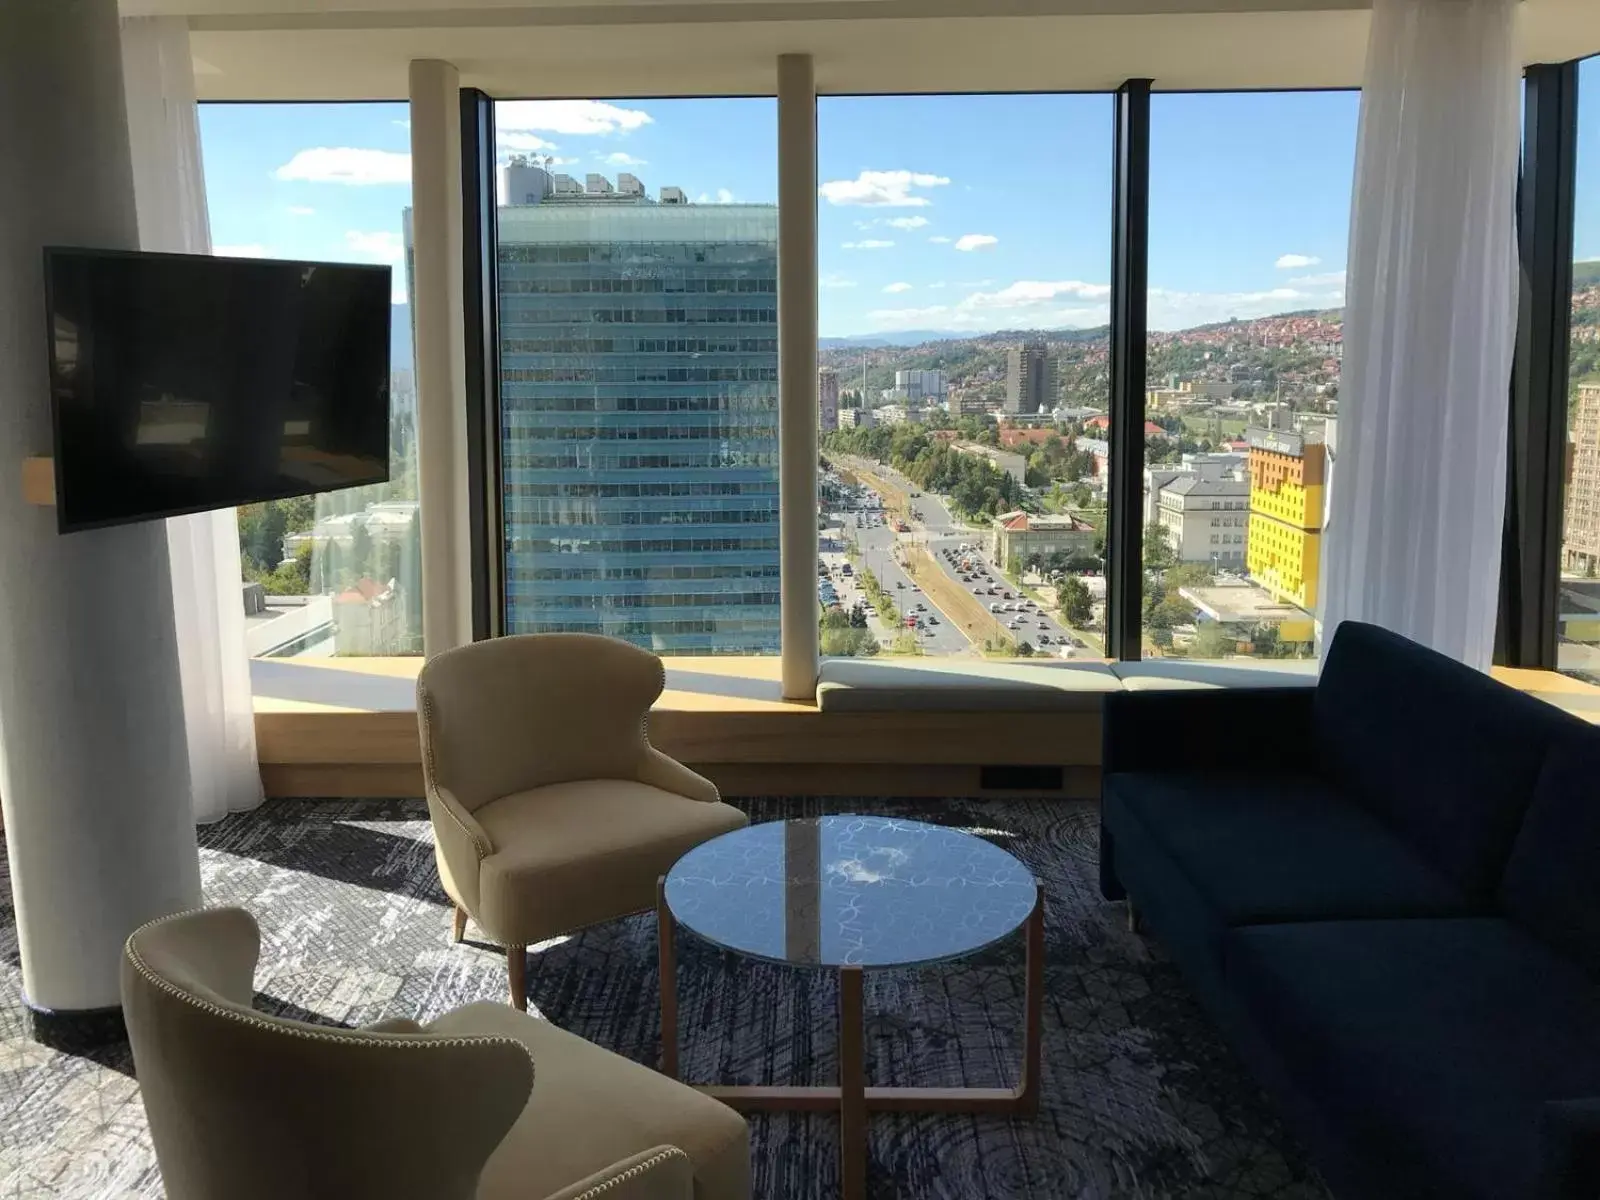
183	382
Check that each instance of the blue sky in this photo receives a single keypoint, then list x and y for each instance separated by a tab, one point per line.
966	213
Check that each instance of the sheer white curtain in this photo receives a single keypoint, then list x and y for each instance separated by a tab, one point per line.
1413	536
170	194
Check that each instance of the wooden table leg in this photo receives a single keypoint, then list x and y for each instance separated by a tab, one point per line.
1033	1019
668	964
852	1086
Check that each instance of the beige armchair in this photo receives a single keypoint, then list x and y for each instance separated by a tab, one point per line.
551	810
483	1104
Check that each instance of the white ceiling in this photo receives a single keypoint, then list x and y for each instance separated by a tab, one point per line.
360	49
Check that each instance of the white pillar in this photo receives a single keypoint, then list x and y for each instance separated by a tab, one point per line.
441	355
797	372
94	772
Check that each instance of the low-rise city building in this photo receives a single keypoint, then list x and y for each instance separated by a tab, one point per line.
1018	535
1241	607
1207	520
1014	465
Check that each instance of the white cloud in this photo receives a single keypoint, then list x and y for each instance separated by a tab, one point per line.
939	240
1044	304
936	286
906	222
722	196
381	246
343	164
898	287
523	142
404	124
242	250
866	244
620	158
1324	279
835	281
300	210
580	118
881	189
1296	262
976	241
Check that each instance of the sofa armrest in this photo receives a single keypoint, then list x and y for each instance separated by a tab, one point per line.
1177	730
1570	1150
462	843
664	1173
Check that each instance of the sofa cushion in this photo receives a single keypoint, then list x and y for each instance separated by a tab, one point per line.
1435	1043
1271	847
1442	753
861	685
1551	884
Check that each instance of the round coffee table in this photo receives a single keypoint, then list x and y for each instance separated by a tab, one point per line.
854	893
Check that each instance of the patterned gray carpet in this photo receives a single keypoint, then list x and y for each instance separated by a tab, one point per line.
1140	1098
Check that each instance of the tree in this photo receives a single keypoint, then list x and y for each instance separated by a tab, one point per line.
1158	552
1077	605
1025	650
1214	641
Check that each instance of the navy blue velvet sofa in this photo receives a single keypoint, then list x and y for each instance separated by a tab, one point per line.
1386	891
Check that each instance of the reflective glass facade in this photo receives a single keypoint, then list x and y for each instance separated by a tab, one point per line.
639	413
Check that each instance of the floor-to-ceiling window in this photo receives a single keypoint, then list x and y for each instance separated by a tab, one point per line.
1249	214
337	573
1578	616
637	264
964	248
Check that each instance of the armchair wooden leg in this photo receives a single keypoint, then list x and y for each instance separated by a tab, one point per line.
458	925
517	968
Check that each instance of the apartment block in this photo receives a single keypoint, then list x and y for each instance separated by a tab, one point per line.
1030	378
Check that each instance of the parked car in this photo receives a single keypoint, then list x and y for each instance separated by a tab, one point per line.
1044	639
994	608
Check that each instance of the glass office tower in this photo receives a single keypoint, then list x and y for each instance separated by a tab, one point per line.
639	412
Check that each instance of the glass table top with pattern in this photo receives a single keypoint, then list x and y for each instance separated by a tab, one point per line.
850	891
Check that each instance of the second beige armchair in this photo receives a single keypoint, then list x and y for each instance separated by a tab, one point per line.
551	810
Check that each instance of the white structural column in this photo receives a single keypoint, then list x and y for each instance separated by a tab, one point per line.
441	355
797	371
94	772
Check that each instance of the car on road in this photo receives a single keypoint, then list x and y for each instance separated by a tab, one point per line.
1013	624
994	591
933	620
1006	595
1044	624
901	584
922	608
994	608
1044	639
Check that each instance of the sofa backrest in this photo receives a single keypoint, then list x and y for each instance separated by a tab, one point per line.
1443	754
1552	882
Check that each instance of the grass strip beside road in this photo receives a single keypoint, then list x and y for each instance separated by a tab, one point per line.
969	614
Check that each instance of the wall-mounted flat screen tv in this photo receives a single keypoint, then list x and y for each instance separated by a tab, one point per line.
184	382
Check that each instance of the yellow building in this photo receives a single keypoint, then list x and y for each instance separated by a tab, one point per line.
1286	482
